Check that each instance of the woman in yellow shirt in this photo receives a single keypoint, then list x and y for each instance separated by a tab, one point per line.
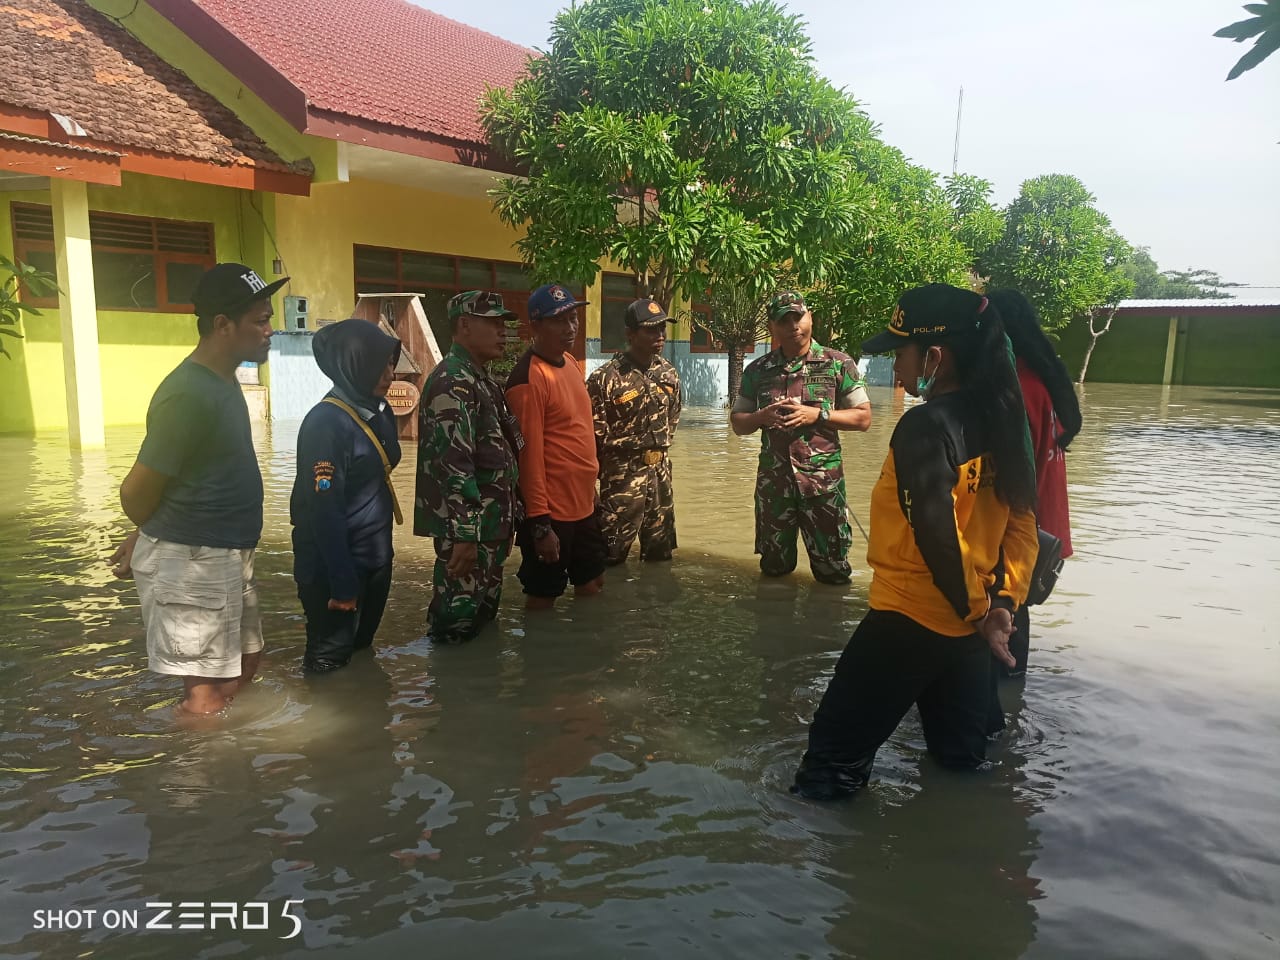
952	547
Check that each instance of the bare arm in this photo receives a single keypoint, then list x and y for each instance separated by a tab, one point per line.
141	493
853	418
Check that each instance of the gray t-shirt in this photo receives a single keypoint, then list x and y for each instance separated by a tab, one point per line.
198	435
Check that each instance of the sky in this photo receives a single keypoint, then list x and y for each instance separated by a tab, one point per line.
1127	95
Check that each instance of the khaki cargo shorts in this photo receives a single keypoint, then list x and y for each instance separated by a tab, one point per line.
199	605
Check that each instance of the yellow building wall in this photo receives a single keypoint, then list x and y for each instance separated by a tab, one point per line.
138	348
317	235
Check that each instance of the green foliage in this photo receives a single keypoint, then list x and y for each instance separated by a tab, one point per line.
977	222
1060	251
911	236
14	278
512	351
1152	283
1265	25
690	141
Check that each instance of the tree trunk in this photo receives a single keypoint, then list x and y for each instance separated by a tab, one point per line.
1093	342
736	356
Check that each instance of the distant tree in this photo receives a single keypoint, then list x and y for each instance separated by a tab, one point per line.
1195	285
1116	287
737	320
1152	283
1059	250
1265	25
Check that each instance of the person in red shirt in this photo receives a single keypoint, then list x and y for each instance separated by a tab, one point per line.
1053	414
560	539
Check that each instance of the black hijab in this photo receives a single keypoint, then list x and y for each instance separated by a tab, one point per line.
353	353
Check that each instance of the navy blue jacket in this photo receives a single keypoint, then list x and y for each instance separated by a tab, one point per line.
341	507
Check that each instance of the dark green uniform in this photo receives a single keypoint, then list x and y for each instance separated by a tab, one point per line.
800	480
466	490
636	413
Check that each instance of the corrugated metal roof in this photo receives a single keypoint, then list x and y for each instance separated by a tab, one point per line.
1200	304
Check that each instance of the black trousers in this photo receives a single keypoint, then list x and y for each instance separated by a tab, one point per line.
890	663
334	635
582	557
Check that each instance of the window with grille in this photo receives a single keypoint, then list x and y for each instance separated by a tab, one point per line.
436	277
139	263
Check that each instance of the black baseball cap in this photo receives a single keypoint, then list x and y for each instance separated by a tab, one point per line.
935	311
227	288
645	313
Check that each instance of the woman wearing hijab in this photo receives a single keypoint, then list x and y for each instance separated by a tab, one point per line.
343	504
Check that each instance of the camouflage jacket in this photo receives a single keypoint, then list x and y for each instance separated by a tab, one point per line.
634	409
823	377
467	455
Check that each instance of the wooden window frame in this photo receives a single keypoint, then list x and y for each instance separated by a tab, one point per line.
511	297
160	259
716	346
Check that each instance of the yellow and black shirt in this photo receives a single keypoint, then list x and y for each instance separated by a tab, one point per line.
944	549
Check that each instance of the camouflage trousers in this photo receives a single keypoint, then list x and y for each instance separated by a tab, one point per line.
460	606
636	500
822	520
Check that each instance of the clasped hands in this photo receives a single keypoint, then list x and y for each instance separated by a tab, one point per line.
787	414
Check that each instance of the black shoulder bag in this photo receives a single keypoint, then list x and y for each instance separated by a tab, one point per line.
1048	565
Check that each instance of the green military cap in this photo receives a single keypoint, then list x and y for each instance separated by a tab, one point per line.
479	303
788	301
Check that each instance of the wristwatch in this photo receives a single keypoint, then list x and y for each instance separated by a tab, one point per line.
541	528
824	415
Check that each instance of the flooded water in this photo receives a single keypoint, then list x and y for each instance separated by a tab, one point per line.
610	780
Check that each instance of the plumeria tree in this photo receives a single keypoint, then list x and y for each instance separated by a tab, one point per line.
691	142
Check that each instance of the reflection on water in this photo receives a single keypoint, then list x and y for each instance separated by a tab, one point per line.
610	780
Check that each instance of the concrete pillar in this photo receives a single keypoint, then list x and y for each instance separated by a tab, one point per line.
78	306
1170	351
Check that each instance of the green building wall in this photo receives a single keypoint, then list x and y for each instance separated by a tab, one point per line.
1221	350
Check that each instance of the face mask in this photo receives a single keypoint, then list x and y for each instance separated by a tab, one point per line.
925	384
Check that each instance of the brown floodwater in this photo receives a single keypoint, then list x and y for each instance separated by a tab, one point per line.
610	780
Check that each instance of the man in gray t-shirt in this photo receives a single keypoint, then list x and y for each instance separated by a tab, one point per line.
195	493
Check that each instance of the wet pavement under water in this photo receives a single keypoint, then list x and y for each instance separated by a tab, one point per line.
610	780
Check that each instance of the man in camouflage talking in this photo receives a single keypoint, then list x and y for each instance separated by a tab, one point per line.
799	395
635	401
468	444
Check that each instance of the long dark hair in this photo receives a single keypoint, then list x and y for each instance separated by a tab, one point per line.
1022	324
990	385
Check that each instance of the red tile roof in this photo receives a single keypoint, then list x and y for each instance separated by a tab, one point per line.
63	57
386	61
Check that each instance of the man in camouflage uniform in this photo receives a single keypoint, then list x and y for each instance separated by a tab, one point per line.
799	395
467	498
635	401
